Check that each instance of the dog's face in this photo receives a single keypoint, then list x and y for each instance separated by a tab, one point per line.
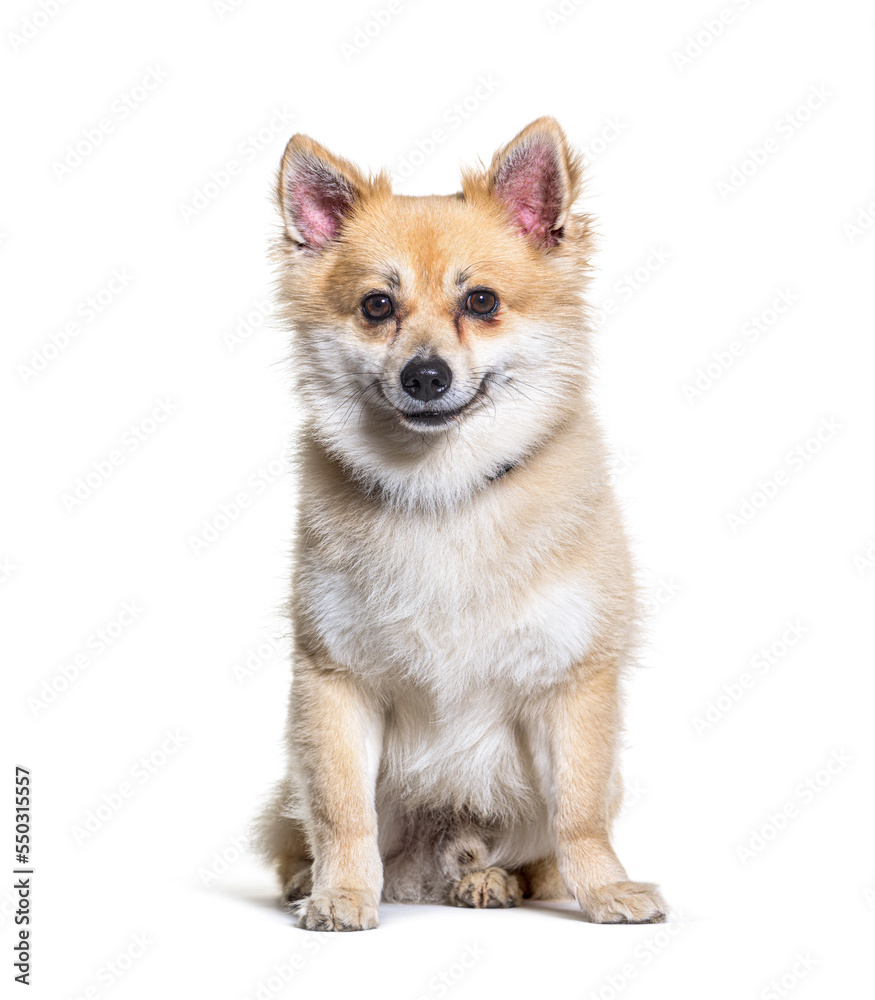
439	338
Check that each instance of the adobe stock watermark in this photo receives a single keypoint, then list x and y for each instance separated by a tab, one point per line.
596	146
372	27
224	8
441	983
247	324
864	561
783	986
659	596
286	969
619	463
779	819
221	861
452	119
120	109
711	29
248	664
750	333
795	460
95	645
32	24
785	128
734	691
642	956
633	793
111	972
8	569
130	443
229	513
862	223
561	12
138	776
632	282
85	312
246	152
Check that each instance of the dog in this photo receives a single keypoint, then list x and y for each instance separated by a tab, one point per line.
463	603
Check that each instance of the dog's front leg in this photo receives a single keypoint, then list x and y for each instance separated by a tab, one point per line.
582	734
337	739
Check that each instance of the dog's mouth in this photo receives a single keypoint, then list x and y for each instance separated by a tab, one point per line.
440	417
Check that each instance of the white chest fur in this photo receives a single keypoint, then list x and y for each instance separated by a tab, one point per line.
459	622
451	603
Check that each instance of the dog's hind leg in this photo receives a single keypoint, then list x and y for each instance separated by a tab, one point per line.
463	858
442	857
411	874
281	840
542	880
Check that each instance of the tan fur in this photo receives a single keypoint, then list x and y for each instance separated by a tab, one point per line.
460	635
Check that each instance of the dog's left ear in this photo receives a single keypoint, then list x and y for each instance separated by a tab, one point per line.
537	179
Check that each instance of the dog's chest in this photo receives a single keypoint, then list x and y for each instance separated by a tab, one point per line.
451	606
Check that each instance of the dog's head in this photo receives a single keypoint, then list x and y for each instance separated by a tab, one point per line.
439	339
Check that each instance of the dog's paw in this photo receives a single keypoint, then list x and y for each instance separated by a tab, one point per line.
487	889
624	903
338	910
298	884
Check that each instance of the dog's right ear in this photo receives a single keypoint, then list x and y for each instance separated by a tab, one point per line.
316	191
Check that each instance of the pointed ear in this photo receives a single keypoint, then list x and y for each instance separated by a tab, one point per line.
316	191
537	179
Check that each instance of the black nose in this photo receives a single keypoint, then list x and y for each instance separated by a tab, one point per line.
426	378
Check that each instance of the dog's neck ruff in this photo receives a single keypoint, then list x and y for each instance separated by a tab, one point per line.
375	484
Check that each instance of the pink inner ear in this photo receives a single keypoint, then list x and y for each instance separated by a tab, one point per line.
530	184
318	199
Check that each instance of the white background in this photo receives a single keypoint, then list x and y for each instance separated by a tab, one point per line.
714	238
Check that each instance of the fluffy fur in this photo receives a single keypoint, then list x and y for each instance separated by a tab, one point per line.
460	632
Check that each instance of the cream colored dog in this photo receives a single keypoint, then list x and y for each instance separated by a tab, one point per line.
463	601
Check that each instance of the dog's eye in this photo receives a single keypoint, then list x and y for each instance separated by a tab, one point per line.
377	307
482	302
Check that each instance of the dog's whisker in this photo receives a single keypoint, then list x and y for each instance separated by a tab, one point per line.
372	385
513	381
359	395
346	398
